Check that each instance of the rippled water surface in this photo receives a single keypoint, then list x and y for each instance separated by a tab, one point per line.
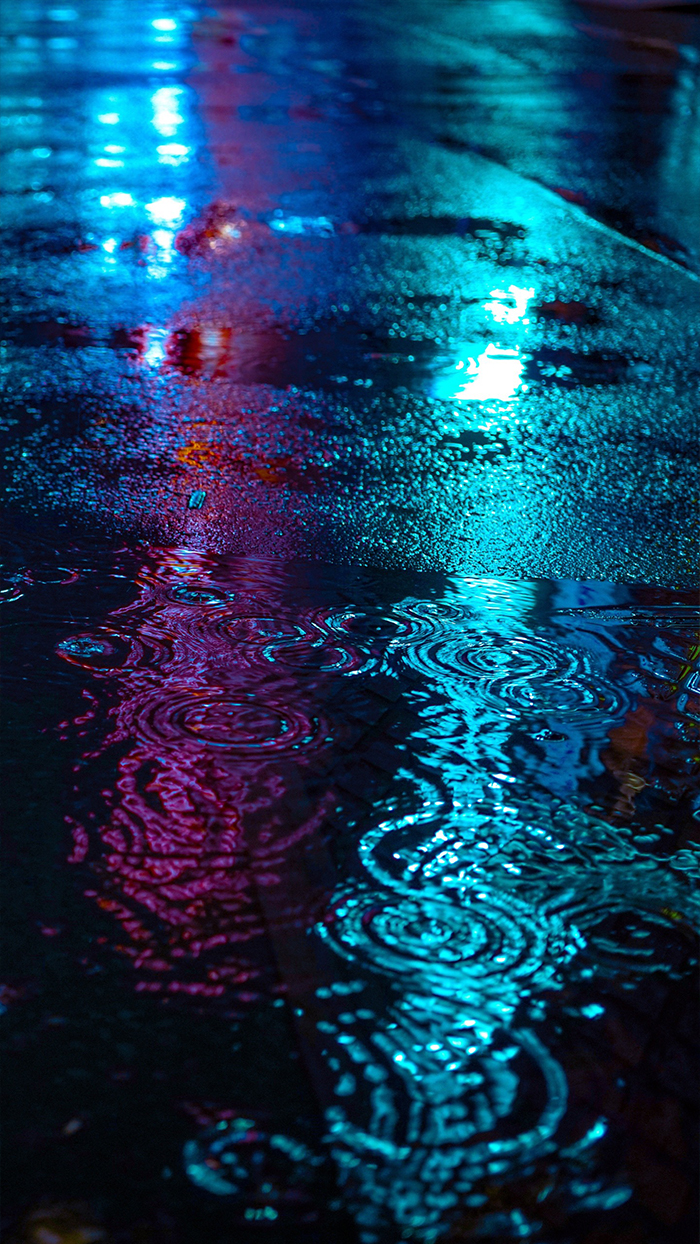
350	623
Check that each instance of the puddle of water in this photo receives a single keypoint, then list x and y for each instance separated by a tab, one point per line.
442	822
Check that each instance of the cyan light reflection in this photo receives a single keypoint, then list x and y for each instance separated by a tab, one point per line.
148	168
509	306
479	905
60	43
495	374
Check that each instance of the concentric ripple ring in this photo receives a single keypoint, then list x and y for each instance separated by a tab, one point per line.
522	673
237	721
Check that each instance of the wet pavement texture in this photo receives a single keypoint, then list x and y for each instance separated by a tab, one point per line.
349	359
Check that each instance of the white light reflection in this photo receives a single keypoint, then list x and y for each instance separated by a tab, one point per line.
119	199
109	118
493	375
509	306
166	111
163	239
158	264
154	353
108	163
172	153
166	211
164	23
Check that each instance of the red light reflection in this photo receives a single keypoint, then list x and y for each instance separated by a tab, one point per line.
217	712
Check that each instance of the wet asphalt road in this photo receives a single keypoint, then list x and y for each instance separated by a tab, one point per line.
350	403
410	287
